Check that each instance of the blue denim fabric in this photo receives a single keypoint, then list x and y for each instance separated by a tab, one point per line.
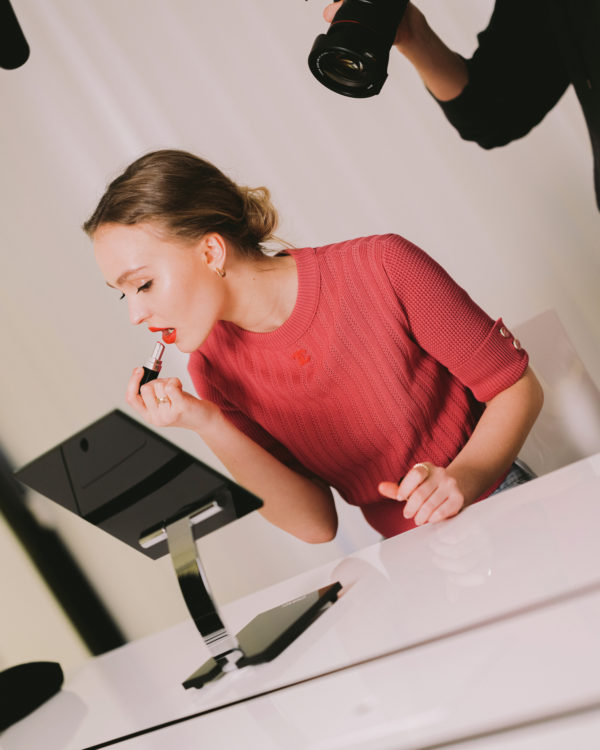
519	474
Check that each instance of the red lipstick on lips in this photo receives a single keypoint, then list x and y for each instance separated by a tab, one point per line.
168	334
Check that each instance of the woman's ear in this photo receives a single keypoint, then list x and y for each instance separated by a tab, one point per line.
214	250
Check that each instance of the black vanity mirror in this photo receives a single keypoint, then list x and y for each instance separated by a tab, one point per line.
123	477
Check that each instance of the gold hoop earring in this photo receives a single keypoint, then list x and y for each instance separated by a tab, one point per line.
220	272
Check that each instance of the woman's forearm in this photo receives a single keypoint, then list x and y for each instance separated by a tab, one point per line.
498	437
292	502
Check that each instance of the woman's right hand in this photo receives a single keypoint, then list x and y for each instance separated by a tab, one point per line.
164	403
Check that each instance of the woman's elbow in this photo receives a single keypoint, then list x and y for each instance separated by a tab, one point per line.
325	532
540	402
536	395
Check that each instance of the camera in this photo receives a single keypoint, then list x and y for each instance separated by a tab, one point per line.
352	57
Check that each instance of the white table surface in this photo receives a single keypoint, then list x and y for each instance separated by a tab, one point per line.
481	631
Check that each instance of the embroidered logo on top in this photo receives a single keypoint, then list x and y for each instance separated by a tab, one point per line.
302	357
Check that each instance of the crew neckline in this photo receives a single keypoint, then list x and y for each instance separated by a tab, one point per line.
309	283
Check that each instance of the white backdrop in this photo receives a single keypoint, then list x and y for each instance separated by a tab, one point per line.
111	79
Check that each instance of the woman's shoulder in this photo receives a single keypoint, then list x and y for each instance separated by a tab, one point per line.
370	244
385	248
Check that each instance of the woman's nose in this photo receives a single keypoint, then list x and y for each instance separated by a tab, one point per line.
138	313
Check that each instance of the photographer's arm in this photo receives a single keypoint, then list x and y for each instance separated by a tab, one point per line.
443	71
515	76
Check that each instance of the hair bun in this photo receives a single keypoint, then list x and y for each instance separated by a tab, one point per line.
260	215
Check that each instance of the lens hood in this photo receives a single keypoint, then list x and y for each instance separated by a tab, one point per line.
351	61
352	57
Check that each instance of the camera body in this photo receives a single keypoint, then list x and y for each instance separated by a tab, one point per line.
352	57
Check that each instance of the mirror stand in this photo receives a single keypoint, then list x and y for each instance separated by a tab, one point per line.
263	638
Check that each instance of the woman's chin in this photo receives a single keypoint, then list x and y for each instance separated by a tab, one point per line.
185	348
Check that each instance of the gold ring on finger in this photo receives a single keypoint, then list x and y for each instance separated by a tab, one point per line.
423	466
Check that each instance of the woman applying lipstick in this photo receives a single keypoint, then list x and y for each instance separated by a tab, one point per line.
352	366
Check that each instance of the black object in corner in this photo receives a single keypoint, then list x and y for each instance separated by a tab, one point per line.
14	50
59	569
24	687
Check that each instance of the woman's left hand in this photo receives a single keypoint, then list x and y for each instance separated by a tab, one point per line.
430	492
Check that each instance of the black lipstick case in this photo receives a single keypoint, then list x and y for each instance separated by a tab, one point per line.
153	365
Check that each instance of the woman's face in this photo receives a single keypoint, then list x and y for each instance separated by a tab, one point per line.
169	286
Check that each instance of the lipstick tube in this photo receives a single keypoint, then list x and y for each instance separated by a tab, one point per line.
153	365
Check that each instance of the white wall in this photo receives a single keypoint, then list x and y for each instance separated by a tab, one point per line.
111	79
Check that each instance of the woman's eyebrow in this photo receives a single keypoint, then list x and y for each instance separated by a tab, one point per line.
124	276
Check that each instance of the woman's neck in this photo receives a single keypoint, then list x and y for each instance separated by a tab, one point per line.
262	293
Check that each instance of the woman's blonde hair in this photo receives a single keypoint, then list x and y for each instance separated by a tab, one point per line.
188	197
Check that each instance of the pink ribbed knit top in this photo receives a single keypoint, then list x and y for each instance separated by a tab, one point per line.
385	361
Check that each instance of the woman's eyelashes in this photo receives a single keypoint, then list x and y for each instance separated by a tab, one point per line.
143	288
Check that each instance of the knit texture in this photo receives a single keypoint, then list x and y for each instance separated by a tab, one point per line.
383	362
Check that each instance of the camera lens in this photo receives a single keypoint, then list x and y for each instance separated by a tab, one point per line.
341	63
344	68
351	59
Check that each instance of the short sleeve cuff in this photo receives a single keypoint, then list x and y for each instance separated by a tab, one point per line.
495	365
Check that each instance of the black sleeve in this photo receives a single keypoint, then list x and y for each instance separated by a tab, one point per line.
516	75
